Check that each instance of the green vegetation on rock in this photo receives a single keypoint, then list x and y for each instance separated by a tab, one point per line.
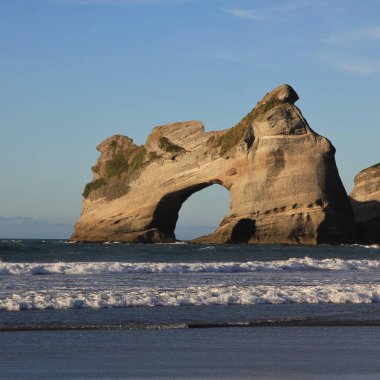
232	137
120	169
126	164
153	156
168	146
137	158
239	132
264	107
94	185
95	168
117	166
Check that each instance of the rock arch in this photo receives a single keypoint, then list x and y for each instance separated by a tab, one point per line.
165	216
281	175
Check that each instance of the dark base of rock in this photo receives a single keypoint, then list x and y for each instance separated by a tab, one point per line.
296	229
152	236
369	232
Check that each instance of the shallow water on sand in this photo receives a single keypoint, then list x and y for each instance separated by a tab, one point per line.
238	353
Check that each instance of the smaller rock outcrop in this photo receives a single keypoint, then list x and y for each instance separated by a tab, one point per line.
365	199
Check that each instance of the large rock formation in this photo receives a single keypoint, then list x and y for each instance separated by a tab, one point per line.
365	200
282	178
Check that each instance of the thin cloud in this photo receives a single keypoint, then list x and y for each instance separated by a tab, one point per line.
349	63
294	5
356	36
363	68
119	2
355	51
246	13
270	12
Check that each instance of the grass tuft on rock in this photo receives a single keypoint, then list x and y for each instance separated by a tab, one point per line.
240	131
94	185
265	107
137	159
117	166
154	156
113	144
120	169
232	137
168	146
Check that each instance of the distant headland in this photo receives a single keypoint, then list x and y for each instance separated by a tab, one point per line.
281	175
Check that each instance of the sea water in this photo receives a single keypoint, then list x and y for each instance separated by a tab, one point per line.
37	275
56	295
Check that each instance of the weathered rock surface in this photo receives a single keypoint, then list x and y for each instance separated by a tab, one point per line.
365	199
282	178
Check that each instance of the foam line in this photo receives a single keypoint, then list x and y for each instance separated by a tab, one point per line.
84	268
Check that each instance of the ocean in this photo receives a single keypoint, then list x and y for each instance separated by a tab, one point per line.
188	311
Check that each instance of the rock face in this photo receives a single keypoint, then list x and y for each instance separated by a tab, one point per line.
282	178
365	199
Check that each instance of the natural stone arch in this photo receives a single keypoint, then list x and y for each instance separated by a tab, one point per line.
166	214
282	177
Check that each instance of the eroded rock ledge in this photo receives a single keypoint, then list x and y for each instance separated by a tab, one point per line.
365	199
281	175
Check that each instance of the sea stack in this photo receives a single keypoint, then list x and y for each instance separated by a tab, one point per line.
281	175
365	199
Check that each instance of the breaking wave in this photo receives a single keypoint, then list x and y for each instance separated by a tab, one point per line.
371	246
190	296
88	268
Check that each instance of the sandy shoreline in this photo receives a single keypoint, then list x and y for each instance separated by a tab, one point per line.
231	353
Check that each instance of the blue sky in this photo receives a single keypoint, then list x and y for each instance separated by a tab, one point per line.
73	72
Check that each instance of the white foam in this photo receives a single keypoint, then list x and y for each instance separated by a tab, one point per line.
84	268
175	243
190	296
371	246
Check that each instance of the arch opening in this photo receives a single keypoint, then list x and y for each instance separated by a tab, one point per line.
199	216
243	230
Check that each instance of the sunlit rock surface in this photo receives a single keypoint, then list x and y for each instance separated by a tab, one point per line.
282	178
365	200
